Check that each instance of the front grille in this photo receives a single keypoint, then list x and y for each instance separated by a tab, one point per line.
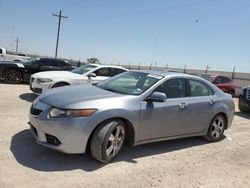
248	94
35	111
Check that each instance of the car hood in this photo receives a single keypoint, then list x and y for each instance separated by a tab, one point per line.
67	95
56	74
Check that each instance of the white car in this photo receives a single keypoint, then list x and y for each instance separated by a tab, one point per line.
90	73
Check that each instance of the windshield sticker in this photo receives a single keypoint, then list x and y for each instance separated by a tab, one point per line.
20	65
155	76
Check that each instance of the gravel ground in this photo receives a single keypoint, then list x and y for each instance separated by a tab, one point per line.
190	162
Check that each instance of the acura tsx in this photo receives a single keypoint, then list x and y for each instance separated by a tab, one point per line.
134	107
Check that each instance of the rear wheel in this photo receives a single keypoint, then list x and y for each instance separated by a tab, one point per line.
108	140
231	93
216	128
12	76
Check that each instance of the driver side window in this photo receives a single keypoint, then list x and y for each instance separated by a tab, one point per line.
174	88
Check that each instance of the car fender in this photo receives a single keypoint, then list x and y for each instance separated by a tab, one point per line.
131	116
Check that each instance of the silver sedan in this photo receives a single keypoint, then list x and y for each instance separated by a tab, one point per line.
135	107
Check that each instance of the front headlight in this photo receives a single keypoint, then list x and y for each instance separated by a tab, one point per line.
43	80
60	113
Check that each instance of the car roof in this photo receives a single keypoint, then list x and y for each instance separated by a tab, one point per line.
111	66
215	75
165	73
50	58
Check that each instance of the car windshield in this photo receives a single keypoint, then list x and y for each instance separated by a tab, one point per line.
31	62
83	69
131	83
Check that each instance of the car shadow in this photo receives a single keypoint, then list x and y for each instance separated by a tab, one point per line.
243	115
37	157
21	83
29	97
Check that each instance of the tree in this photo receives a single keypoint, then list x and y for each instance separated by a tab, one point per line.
93	60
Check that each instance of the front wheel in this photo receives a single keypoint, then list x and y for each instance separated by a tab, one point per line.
108	140
12	76
216	128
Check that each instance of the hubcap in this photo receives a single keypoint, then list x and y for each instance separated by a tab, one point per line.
217	127
115	141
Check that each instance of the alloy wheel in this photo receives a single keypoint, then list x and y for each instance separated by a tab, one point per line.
217	127
115	141
12	76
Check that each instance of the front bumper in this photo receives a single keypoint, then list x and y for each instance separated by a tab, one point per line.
36	90
72	133
244	103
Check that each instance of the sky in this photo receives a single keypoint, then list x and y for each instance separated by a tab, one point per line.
159	32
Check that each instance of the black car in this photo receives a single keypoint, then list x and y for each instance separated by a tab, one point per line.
244	99
13	72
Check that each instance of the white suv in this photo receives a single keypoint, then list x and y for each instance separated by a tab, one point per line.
90	73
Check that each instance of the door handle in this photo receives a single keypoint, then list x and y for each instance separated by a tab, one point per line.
211	101
183	105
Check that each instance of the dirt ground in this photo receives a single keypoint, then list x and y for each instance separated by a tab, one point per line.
190	162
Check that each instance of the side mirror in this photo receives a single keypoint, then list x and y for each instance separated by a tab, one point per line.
157	97
91	74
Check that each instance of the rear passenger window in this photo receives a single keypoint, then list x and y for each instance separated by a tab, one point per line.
174	88
103	72
44	62
116	71
198	89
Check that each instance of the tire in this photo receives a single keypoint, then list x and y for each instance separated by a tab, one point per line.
216	128
12	76
108	140
232	93
59	85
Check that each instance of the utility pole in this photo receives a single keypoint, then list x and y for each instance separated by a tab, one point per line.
58	31
17	41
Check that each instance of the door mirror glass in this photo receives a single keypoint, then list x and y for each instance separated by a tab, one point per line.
157	97
91	74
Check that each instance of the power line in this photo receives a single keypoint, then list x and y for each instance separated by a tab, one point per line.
157	10
58	30
94	6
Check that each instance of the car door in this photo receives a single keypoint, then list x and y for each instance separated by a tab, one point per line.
55	64
46	64
166	119
202	100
